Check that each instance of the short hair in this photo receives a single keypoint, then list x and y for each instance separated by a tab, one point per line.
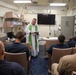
20	35
61	38
34	18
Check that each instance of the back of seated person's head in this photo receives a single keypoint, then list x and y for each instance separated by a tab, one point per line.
20	35
61	38
75	38
72	38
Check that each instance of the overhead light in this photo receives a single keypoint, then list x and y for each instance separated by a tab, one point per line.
57	4
22	1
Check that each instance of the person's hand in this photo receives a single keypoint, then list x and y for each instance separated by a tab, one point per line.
37	33
30	47
29	58
32	32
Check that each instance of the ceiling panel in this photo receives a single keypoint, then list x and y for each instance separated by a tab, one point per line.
43	2
11	2
8	1
40	2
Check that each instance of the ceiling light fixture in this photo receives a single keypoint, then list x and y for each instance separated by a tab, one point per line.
22	1
57	4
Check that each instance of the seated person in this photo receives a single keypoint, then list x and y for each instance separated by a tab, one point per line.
17	46
72	42
66	65
60	44
9	68
10	35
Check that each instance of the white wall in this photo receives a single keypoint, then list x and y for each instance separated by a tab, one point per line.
73	13
72	8
45	29
29	14
3	10
5	7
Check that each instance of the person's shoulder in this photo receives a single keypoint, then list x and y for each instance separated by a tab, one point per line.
23	45
17	68
66	45
28	25
15	65
36	25
9	45
55	45
66	57
72	41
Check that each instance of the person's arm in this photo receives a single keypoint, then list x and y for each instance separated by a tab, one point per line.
28	53
7	49
27	29
38	31
50	50
71	44
22	71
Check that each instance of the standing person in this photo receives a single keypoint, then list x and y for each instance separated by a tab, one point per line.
32	35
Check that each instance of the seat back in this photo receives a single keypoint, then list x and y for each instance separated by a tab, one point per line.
74	50
17	57
28	45
58	53
7	43
50	42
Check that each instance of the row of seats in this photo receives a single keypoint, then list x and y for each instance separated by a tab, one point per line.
20	58
52	42
58	53
54	59
49	43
